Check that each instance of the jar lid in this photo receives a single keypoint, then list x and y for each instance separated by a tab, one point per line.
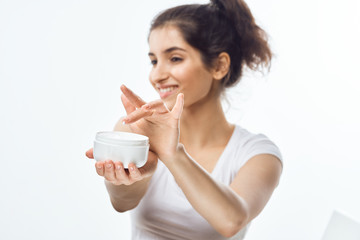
122	138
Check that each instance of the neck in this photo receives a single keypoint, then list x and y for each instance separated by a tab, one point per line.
205	125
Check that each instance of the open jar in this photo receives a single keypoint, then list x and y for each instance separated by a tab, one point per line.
121	146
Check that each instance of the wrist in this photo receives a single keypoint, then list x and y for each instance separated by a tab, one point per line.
174	155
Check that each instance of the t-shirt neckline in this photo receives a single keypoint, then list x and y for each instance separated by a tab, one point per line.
224	153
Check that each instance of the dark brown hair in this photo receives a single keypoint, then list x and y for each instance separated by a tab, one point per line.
220	26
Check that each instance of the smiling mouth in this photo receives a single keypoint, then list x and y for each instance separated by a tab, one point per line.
165	92
169	89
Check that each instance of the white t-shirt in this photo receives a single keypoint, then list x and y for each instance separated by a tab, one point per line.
165	213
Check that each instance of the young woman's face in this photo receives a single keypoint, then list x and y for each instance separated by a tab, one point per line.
177	67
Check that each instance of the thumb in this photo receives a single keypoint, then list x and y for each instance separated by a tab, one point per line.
179	105
89	153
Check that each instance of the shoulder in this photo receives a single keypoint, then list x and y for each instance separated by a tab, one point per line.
252	144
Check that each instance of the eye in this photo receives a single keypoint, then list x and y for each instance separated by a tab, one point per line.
176	59
153	62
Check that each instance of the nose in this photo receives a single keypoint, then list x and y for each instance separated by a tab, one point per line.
158	73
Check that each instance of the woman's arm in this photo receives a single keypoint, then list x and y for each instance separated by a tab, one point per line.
127	197
226	208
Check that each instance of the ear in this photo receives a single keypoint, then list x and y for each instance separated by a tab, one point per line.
222	66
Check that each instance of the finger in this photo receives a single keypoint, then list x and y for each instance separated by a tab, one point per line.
157	105
129	108
179	105
132	97
150	165
135	174
109	171
99	168
89	153
120	174
136	115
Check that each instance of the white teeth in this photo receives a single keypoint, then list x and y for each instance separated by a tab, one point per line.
169	89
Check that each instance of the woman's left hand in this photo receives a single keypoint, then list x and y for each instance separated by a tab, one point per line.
156	121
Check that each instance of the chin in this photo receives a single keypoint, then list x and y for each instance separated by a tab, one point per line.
169	104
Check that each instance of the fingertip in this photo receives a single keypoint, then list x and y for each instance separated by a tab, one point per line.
131	166
99	165
118	166
123	88
125	120
180	98
179	105
124	99
146	107
108	164
89	154
134	172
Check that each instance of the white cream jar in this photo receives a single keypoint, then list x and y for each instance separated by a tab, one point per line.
121	146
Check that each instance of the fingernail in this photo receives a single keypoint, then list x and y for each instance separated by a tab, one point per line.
118	167
98	166
131	168
109	165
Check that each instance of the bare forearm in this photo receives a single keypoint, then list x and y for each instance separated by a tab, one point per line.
126	197
216	202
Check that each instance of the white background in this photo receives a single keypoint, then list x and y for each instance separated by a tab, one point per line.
61	66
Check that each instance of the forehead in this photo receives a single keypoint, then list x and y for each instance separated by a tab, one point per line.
166	37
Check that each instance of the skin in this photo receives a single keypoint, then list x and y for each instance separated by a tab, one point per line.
189	152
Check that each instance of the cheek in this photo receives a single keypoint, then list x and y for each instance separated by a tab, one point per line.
188	76
151	79
182	74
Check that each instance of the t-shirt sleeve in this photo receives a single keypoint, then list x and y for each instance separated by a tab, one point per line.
261	144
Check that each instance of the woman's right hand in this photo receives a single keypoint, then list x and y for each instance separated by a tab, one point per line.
115	172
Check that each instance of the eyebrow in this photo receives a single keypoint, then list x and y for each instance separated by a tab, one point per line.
169	50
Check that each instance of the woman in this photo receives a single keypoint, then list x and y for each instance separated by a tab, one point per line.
212	177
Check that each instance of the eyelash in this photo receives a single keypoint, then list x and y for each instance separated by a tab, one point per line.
176	59
173	59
